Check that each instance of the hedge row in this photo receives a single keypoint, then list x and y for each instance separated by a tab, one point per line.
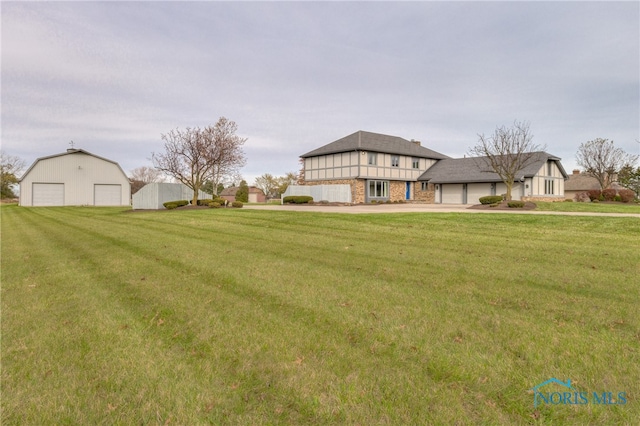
297	199
609	194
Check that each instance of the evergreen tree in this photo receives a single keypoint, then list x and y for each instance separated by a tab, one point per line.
243	192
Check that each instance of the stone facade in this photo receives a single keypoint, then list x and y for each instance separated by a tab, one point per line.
544	198
397	190
428	196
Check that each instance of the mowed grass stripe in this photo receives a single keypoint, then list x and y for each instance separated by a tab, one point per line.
321	341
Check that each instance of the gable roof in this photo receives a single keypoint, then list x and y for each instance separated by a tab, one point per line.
476	169
376	142
70	152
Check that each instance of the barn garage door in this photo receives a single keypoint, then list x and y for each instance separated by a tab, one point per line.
107	195
48	194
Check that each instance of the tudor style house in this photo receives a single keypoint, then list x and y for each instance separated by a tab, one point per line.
389	168
377	167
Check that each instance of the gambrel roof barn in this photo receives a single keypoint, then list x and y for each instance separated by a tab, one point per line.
74	178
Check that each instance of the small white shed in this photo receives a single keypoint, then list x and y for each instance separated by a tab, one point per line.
153	195
74	178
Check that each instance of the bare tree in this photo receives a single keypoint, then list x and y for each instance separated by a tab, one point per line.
602	160
10	167
506	152
290	178
195	155
143	175
300	180
267	184
226	155
273	186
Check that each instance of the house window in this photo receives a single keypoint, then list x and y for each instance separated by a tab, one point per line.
415	163
373	159
378	189
549	169
548	186
425	186
395	161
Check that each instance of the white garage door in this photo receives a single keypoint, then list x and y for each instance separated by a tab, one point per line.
477	190
48	194
107	195
451	193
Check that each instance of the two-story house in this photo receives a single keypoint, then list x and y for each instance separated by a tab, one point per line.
381	168
377	167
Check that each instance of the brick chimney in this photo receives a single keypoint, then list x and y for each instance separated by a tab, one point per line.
415	142
576	171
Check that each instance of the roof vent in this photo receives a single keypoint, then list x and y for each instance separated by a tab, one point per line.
415	142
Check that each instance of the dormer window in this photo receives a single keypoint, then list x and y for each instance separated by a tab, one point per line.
415	163
395	161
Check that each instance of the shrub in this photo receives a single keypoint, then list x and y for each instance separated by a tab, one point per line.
595	201
582	197
178	203
568	200
491	199
297	199
594	194
617	198
609	194
516	204
215	205
205	201
626	195
170	206
237	204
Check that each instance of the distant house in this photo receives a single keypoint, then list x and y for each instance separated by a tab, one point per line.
152	196
579	183
255	194
380	167
465	180
74	178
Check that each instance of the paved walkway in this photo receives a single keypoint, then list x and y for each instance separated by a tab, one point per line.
417	208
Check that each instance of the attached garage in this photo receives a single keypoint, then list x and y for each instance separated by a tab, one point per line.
477	190
48	194
74	178
451	193
465	180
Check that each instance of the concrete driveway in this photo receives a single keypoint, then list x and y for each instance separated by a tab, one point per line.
415	208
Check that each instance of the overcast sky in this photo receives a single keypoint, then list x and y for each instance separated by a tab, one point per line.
294	76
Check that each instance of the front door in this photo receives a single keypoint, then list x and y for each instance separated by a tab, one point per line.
408	193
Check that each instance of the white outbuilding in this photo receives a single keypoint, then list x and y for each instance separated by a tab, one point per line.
152	196
74	178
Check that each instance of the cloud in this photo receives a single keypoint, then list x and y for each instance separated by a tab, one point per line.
295	76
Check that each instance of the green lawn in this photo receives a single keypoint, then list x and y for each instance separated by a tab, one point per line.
603	207
221	316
